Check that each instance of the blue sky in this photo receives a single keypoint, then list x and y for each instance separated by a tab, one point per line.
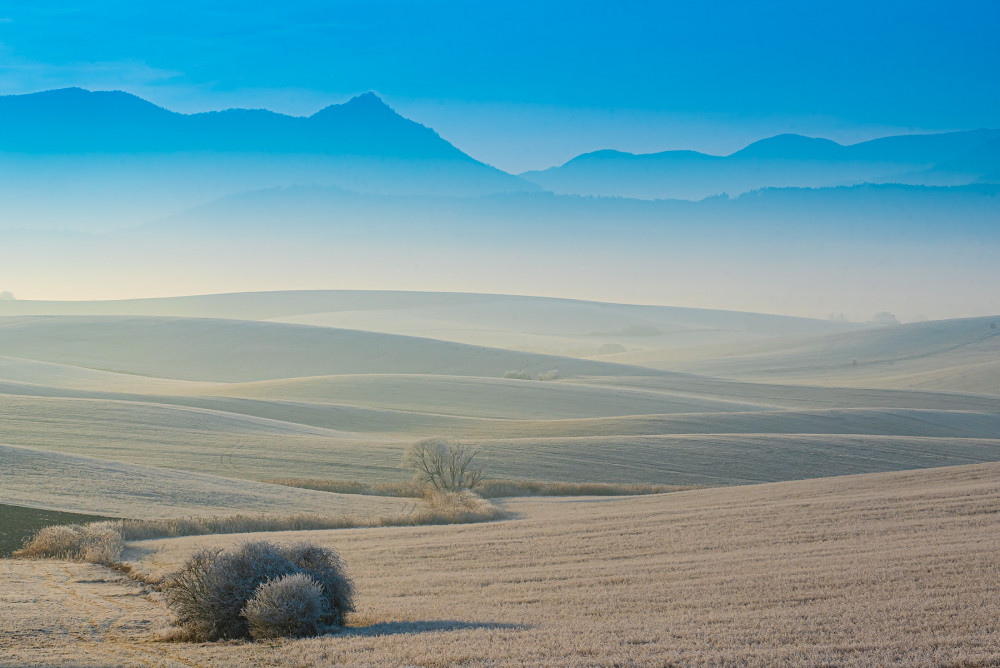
530	84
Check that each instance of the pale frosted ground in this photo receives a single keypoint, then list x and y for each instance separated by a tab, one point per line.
955	355
867	570
538	324
700	448
208	349
56	481
260	400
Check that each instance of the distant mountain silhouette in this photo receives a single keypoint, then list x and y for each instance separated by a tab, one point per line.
73	158
73	120
791	147
786	160
85	158
886	212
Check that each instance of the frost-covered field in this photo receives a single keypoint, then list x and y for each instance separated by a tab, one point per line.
130	400
149	413
865	570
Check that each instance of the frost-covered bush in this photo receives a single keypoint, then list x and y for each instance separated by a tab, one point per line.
102	543
326	568
211	590
289	606
55	542
97	542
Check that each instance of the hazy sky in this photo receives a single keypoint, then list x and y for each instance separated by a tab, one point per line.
530	84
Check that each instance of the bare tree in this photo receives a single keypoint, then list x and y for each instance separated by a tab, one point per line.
442	465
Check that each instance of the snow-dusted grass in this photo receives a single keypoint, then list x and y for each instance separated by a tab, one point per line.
488	489
884	569
103	542
96	542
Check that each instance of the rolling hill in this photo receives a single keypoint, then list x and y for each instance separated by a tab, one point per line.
250	400
532	324
227	350
959	355
55	481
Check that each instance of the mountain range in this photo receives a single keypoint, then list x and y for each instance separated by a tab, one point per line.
787	160
96	161
76	121
101	160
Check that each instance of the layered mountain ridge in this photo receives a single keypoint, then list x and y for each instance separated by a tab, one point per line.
787	160
101	160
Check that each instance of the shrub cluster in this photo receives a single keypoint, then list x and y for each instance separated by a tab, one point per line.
260	590
97	542
103	542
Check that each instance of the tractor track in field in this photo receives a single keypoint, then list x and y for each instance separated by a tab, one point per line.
80	614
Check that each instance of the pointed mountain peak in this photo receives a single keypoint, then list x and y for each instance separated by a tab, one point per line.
367	104
369	99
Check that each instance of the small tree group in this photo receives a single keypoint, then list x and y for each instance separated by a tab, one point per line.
444	466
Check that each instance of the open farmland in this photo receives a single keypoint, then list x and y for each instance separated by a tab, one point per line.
855	571
153	415
953	355
499	335
143	384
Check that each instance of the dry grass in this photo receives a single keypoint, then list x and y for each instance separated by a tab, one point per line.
400	489
18	523
488	489
96	542
886	569
103	542
871	570
497	489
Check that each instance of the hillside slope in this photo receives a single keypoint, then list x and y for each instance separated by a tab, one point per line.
958	355
229	350
859	571
568	327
